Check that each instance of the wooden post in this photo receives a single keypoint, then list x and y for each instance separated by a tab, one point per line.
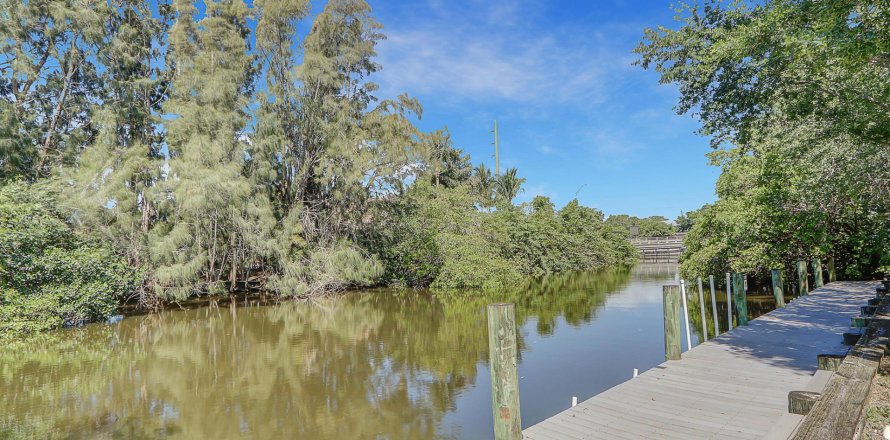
817	273
777	287
829	362
741	300
832	273
704	316
671	303
714	306
803	285
801	402
729	301
686	314
503	354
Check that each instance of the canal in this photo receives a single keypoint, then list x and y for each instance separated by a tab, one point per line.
382	364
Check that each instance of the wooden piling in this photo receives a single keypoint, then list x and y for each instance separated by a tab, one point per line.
728	301
817	273
740	298
704	316
778	293
671	303
829	362
503	353
801	402
803	285
832	273
714	306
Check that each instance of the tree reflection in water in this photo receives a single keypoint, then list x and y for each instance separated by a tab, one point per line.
382	364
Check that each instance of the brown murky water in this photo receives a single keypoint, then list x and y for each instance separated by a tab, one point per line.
371	365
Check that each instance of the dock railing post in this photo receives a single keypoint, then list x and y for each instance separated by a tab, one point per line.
740	298
704	315
803	285
817	273
686	314
729	301
777	287
714	306
503	353
671	303
832	273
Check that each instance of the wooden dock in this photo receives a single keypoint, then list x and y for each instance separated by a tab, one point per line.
735	386
660	249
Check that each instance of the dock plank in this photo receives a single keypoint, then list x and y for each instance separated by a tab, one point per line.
734	386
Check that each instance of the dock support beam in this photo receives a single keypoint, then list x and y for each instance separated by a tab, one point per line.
503	353
671	303
777	287
817	273
740	298
803	285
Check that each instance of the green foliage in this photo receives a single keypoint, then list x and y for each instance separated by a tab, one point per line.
508	186
146	118
794	95
48	275
655	226
438	237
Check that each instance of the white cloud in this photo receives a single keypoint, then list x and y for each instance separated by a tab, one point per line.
496	55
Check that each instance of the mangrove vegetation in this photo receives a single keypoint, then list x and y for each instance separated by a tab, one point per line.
155	151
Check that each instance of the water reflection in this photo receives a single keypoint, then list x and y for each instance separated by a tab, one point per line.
381	364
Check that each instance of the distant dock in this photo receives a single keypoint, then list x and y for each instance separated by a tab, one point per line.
659	249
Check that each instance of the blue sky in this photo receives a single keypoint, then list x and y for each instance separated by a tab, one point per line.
573	111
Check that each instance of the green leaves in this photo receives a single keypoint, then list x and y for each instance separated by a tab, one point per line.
794	95
48	275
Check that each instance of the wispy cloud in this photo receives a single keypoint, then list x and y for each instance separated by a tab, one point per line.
496	55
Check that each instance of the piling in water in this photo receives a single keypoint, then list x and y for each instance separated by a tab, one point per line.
671	303
714	306
704	316
778	293
740	298
817	273
803	285
504	372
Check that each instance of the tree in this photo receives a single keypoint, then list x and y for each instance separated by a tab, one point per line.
113	184
447	165
795	97
508	186
48	50
50	276
205	119
482	184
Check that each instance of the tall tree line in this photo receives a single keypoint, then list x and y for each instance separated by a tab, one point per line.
216	146
795	95
212	156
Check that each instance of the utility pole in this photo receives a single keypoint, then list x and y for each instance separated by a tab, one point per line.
497	160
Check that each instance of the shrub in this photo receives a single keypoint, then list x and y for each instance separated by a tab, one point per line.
49	276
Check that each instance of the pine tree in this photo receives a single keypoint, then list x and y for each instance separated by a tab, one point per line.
115	178
48	82
205	119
